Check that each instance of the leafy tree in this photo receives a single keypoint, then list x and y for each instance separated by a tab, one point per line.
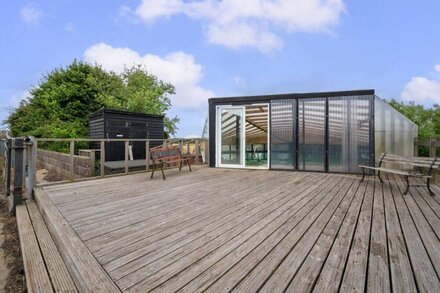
427	119
144	93
60	105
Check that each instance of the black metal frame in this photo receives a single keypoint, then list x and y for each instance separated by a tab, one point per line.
326	135
246	100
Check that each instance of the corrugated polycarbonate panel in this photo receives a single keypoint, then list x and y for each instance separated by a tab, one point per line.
282	134
339	136
311	134
349	129
394	133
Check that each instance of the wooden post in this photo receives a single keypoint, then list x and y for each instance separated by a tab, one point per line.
416	148
8	166
72	160
207	152
432	149
17	193
147	155
126	156
92	162
197	159
181	146
32	167
188	152
102	160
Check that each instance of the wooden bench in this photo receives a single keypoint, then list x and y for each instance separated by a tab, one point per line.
44	268
167	155
415	163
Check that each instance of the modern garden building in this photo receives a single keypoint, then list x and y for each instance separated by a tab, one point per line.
324	132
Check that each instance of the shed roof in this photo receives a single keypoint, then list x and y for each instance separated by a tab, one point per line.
114	111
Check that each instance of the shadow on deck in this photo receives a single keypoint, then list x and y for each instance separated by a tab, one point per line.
245	230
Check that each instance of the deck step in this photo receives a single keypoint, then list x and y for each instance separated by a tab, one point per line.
87	273
44	269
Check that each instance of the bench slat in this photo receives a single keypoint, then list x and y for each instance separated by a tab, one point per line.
37	278
420	164
416	160
406	157
399	172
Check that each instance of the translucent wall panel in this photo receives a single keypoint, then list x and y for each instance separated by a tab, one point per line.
393	133
282	134
311	134
349	131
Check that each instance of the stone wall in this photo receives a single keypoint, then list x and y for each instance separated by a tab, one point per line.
59	164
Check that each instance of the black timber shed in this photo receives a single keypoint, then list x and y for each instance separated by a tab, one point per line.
110	124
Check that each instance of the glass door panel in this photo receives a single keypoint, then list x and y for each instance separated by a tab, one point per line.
256	129
230	122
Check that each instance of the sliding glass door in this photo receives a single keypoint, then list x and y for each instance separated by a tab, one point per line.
230	136
242	136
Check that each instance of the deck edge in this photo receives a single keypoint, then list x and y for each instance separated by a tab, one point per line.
87	273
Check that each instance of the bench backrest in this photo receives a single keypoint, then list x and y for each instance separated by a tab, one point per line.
165	153
428	163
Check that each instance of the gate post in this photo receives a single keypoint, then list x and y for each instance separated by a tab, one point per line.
8	166
16	197
31	144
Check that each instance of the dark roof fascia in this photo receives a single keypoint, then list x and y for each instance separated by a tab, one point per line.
265	98
112	111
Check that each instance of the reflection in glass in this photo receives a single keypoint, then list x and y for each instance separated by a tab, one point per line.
256	135
231	126
349	131
311	134
393	133
282	148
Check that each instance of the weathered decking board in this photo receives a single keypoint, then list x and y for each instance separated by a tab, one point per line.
35	269
252	230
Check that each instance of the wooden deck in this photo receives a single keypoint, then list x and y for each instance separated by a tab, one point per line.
246	230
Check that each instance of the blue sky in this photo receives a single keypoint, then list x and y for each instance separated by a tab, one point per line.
211	48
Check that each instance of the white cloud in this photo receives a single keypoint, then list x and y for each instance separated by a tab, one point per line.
421	89
178	68
31	13
437	67
251	23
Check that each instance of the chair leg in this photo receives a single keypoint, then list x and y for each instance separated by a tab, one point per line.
407	185
152	173
180	166
428	182
163	174
189	165
363	174
378	175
